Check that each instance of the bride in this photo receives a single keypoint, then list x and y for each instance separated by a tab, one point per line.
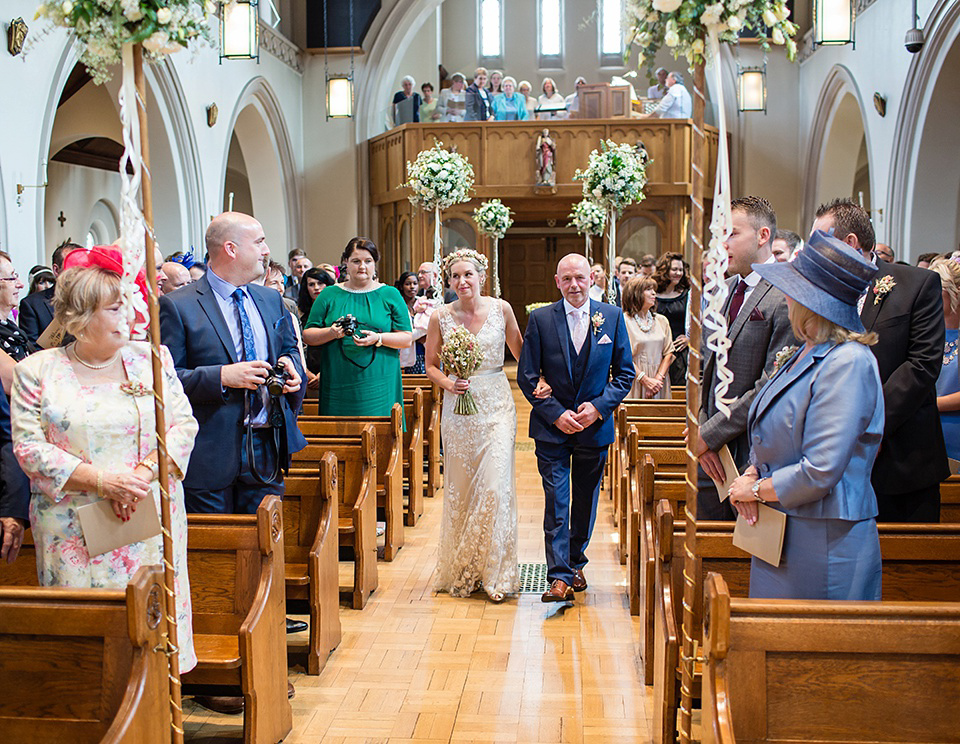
478	536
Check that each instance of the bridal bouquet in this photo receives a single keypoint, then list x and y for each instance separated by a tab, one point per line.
103	26
439	178
461	356
615	176
683	25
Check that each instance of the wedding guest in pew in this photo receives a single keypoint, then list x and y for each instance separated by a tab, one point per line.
83	431
651	341
904	306
758	328
814	430
36	309
14	485
360	326
948	384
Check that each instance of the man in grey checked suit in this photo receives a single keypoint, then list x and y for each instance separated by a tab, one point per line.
758	328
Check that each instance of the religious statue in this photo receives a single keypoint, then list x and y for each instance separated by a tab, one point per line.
546	164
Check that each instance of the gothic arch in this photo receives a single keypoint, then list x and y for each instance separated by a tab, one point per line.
923	195
260	118
831	152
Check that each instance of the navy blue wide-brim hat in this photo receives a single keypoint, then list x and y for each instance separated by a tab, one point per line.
827	277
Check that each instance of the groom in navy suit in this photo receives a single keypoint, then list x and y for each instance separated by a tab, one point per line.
581	348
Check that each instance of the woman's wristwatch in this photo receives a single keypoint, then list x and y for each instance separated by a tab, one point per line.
379	339
755	490
151	463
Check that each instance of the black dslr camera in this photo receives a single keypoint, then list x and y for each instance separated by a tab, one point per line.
348	324
277	379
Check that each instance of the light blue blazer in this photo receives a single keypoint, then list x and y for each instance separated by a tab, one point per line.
815	429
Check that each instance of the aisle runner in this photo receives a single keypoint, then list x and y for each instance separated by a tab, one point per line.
533	578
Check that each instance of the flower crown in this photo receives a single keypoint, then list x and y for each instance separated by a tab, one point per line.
465	254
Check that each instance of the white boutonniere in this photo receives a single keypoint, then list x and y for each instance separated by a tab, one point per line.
882	287
783	356
597	320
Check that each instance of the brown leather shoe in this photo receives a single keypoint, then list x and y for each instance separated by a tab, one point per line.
226	704
579	583
559	591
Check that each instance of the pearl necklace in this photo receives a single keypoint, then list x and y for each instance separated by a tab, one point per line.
646	322
950	350
93	366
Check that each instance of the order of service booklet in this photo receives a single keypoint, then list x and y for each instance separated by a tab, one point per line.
764	538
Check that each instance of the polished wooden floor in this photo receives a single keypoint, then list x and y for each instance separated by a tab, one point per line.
418	666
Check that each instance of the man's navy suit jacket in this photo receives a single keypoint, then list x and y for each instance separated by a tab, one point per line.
193	328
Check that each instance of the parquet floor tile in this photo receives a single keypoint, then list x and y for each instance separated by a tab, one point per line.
415	667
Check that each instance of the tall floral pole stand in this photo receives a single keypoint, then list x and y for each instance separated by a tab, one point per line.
438	179
493	220
590	219
614	179
107	37
695	29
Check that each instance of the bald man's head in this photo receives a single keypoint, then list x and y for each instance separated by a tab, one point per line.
237	247
177	276
573	278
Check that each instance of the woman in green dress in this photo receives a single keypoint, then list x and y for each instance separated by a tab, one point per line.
360	372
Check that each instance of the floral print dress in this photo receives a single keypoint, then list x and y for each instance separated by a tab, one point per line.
58	424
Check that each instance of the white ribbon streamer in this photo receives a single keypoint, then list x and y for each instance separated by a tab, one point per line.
437	255
611	255
715	266
589	252
132	239
496	266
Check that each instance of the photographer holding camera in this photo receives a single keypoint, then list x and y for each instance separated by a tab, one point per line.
236	353
359	325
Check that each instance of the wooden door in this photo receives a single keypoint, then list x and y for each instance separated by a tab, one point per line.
529	265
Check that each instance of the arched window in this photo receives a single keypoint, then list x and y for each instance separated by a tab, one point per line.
550	36
611	33
491	33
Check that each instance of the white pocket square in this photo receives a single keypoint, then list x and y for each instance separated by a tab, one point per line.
604	339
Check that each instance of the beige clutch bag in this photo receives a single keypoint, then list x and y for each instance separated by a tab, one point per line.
104	532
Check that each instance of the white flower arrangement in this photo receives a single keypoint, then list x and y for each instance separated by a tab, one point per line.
615	176
683	25
493	218
103	26
439	178
588	217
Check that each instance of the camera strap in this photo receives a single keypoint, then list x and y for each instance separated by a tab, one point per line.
373	351
276	421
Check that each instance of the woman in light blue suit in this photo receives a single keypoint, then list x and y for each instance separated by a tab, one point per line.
815	430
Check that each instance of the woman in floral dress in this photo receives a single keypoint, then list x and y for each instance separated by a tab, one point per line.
84	430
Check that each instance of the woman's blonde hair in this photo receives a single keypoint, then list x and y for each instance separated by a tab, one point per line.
79	293
815	329
949	271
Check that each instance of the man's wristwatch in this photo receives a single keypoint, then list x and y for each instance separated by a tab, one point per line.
755	490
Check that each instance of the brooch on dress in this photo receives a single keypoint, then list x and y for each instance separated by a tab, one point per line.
135	388
782	356
597	320
882	287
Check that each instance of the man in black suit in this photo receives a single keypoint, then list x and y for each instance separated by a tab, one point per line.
225	334
36	310
477	98
427	278
904	306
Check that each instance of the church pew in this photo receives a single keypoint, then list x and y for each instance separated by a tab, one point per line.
23	571
432	405
237	588
356	460
950	500
389	433
310	547
921	563
80	665
413	450
819	671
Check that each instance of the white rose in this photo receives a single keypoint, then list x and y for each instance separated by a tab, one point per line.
697	46
782	12
667	6
711	14
791	49
734	23
777	36
156	42
671	38
133	14
644	39
164	15
769	18
67	7
210	7
653	17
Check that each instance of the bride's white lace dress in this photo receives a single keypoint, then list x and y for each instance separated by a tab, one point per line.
478	536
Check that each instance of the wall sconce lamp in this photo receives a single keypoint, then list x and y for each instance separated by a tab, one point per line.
240	30
752	88
339	86
834	22
16	35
